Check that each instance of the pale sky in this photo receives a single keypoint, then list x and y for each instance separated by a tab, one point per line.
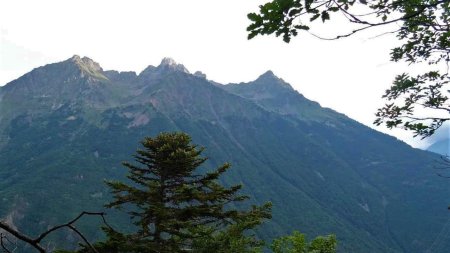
348	75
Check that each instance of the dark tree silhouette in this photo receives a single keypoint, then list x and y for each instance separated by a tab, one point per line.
173	204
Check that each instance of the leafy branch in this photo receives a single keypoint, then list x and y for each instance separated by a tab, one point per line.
424	30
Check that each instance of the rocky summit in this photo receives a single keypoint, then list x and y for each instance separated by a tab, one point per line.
66	127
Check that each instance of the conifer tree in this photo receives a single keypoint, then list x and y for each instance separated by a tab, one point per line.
172	204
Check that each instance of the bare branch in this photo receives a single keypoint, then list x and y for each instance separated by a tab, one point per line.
21	237
414	119
83	238
385	33
43	235
36	242
355	19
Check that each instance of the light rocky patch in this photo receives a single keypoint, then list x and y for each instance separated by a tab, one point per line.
79	177
365	207
128	115
15	214
139	120
9	219
328	123
56	106
97	195
319	175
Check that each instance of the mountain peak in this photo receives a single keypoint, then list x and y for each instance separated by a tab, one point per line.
268	73
75	58
86	63
270	79
169	63
88	66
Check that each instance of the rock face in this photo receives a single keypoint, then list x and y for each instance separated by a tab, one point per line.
200	74
169	63
65	127
87	65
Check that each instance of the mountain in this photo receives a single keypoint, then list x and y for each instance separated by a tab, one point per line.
441	147
65	127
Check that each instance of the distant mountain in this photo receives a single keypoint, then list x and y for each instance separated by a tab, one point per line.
441	147
65	127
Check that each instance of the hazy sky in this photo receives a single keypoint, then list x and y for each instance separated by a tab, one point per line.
348	75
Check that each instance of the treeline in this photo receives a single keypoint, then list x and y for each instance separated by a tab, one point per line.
175	208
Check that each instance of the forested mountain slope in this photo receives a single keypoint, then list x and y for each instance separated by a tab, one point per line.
65	127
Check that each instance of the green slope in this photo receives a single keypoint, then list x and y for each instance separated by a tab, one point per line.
324	172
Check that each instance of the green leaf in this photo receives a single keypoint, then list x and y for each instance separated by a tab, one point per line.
301	27
314	17
325	16
333	9
253	16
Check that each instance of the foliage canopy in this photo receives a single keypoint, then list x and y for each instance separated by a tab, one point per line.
297	243
416	102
